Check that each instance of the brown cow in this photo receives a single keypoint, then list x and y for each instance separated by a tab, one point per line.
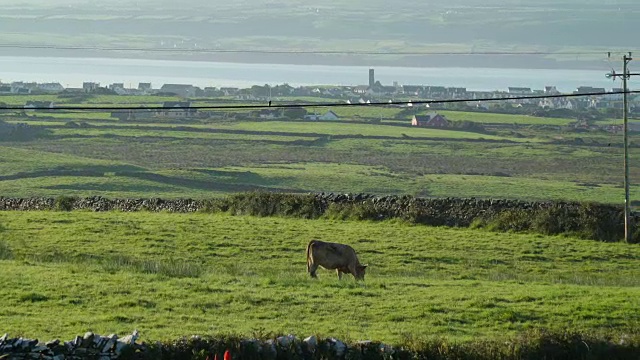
333	256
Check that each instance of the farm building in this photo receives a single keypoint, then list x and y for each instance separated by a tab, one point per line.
177	109
430	120
329	115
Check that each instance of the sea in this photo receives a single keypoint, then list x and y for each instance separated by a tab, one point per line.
73	71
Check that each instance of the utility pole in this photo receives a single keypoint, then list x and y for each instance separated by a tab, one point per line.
625	110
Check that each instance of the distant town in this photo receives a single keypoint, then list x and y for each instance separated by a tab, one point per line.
610	101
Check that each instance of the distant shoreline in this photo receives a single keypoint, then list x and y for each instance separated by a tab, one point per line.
426	61
225	72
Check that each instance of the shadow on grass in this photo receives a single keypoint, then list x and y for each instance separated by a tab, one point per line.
231	185
223	181
79	171
5	251
236	176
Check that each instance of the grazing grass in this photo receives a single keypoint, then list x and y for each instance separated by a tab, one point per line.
170	160
354	112
210	157
37	173
15	161
22	99
104	185
70	116
335	128
491	118
290	129
124	132
363	179
170	275
79	99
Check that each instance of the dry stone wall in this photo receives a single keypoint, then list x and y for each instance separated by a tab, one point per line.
456	210
92	346
89	346
601	219
538	345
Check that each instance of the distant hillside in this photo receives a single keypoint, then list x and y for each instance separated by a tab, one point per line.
332	25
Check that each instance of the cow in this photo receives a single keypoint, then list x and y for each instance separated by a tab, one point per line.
331	256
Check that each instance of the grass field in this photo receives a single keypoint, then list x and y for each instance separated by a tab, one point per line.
335	128
201	160
355	112
209	157
121	181
490	118
292	128
72	99
170	275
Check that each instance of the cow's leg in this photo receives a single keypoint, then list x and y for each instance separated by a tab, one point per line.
339	274
312	270
352	270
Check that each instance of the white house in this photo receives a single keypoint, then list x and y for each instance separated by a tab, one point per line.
519	90
329	115
361	89
177	109
40	105
183	90
50	87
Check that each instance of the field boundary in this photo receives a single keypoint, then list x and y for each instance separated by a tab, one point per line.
586	220
534	345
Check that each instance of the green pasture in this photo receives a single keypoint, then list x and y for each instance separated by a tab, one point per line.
345	112
106	184
68	116
130	100
618	122
14	161
199	160
173	275
482	186
312	127
124	132
84	99
489	149
492	118
368	112
306	99
317	177
136	174
335	128
10	99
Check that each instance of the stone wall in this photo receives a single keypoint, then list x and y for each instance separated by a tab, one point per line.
97	203
536	345
454	210
92	346
89	346
458	212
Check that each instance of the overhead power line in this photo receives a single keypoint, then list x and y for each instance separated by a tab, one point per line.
297	105
626	75
313	52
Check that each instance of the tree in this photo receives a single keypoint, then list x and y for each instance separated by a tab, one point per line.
295	112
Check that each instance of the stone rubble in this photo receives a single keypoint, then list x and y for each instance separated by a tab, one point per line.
89	346
93	346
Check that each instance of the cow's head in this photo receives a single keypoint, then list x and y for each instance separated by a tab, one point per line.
360	270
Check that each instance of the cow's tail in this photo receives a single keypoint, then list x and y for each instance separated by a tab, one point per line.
309	254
